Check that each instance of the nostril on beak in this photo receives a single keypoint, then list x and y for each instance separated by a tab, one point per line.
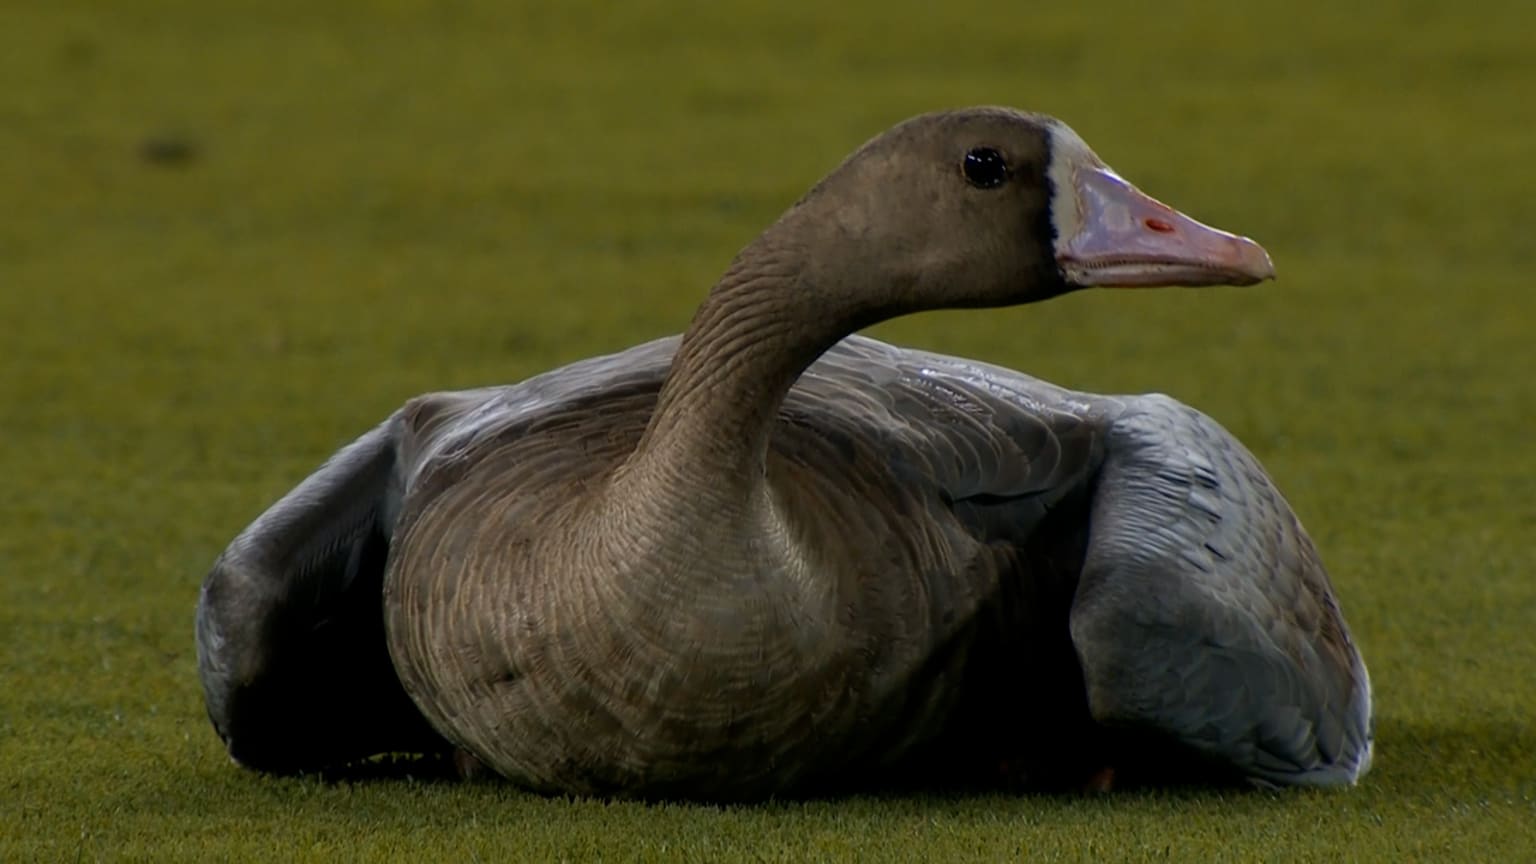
1158	225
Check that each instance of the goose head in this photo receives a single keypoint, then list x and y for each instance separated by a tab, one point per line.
993	207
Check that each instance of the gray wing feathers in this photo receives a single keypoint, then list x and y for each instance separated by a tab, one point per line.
289	630
981	434
1203	610
285	556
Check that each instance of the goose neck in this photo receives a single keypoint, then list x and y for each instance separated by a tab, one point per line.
760	327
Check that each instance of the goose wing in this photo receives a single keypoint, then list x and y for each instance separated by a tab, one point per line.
998	449
1204	611
291	650
1198	608
290	641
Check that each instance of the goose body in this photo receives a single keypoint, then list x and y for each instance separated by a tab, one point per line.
769	557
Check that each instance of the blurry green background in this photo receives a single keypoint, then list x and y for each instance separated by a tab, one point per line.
234	235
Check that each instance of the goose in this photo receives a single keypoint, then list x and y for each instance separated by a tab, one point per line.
770	557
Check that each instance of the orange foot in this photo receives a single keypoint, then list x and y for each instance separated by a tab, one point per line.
1100	781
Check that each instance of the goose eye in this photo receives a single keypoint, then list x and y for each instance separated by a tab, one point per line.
985	168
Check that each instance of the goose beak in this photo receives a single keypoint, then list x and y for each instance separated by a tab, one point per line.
1126	238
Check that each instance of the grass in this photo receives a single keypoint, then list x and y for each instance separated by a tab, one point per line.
235	235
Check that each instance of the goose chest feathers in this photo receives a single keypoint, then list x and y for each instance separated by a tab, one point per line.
770	557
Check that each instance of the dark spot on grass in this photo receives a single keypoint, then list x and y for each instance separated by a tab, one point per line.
78	51
168	150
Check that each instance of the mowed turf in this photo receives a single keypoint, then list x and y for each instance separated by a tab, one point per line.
235	235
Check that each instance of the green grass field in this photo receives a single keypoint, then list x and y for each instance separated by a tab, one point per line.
233	236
